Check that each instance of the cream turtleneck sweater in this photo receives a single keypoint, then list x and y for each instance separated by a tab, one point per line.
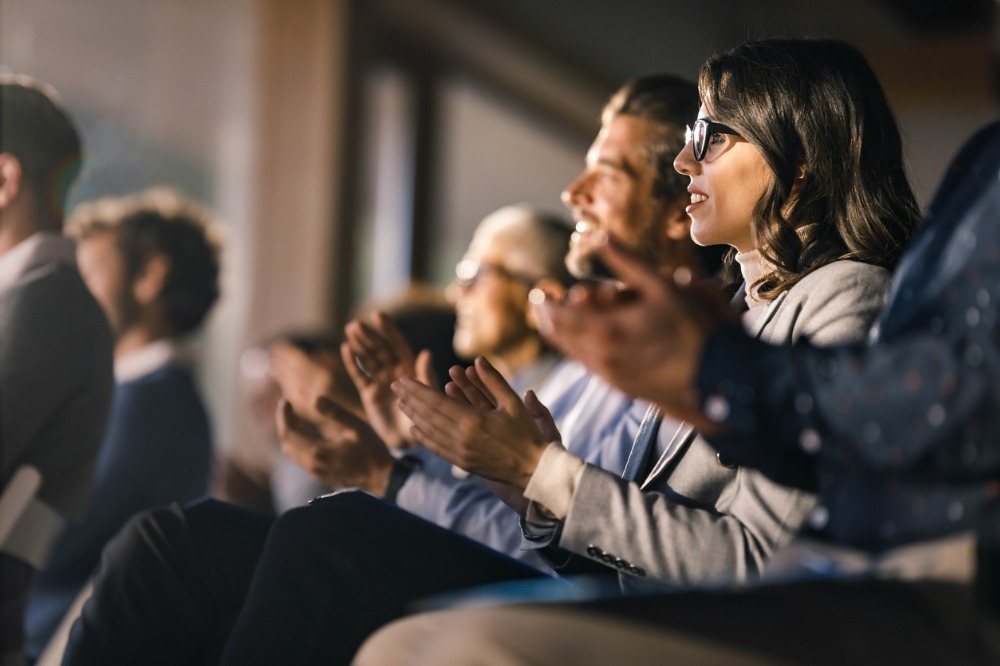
753	266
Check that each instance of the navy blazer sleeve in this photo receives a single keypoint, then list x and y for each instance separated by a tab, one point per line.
899	436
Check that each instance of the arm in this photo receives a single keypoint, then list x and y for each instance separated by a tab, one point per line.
666	535
820	404
464	505
55	383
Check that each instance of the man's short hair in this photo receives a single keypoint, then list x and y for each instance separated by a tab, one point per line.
670	102
161	222
36	130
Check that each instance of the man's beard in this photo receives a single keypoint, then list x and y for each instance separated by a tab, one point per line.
649	246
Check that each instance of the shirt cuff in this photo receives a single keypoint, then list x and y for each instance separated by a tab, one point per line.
554	481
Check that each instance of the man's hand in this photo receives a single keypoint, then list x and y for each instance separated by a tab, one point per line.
375	356
645	338
304	377
337	447
481	425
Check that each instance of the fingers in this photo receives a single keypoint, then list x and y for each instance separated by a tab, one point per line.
293	429
369	346
424	403
496	385
633	270
473	393
338	414
432	414
393	337
424	368
359	378
543	417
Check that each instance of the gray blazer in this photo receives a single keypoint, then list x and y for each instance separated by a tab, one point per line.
695	520
56	381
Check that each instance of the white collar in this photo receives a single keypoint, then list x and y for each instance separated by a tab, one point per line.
40	248
149	358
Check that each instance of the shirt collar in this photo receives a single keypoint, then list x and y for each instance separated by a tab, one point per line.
534	376
149	358
40	248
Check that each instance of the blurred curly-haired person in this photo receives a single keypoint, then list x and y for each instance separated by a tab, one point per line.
152	262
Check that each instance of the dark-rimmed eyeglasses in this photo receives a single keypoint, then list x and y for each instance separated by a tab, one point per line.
703	130
467	272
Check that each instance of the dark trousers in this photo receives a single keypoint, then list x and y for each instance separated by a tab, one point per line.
16	577
186	585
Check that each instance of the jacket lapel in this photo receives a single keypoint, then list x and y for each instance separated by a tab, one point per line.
683	436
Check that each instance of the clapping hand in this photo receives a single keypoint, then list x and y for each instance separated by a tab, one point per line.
376	355
479	423
336	446
645	336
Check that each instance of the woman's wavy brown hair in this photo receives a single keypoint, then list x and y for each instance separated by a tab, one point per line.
815	106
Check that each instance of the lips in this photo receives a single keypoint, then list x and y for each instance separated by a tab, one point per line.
697	197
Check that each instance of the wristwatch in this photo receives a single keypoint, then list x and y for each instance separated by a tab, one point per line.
401	470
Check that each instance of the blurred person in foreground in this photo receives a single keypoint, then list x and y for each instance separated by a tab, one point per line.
55	345
152	262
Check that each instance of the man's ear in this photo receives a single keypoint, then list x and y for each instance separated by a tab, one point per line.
149	284
676	220
10	178
553	289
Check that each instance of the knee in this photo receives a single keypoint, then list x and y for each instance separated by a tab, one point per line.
336	513
148	529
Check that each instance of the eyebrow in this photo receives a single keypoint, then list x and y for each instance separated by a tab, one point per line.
619	164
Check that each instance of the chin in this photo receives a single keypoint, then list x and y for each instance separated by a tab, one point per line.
463	346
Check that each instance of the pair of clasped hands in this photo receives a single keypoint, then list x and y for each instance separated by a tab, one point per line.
644	335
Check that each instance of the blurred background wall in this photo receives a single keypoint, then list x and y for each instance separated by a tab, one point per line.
349	146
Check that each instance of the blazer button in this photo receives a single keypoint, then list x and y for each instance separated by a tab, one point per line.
594	551
621	564
725	462
637	571
608	558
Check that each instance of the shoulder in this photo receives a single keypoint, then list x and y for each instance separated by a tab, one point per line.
847	284
838	275
51	302
49	316
834	304
53	289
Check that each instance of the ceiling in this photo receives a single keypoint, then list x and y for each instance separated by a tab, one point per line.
627	37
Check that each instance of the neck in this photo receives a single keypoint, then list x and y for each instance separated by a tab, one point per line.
135	338
19	221
753	266
516	358
11	236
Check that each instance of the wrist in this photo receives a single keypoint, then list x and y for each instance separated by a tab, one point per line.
397	475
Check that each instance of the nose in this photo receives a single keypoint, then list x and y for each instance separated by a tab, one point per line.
574	193
454	291
685	163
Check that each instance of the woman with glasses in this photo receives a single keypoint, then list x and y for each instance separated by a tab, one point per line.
795	161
